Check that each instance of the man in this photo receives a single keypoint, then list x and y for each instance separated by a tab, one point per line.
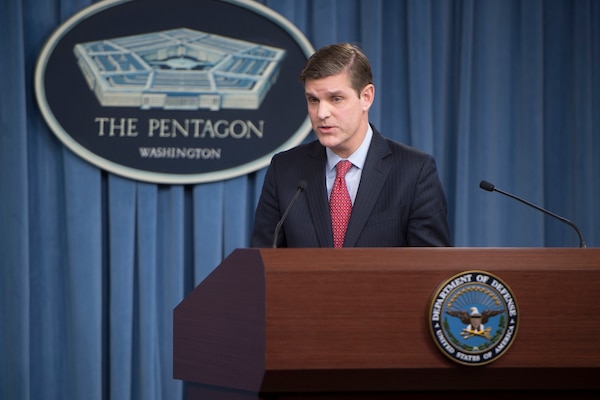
395	193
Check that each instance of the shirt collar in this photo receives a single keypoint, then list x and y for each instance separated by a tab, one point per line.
357	158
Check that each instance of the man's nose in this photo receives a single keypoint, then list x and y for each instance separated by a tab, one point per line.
323	110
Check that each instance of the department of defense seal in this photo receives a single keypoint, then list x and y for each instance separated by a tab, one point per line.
473	318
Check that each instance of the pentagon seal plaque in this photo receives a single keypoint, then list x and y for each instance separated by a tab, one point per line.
473	318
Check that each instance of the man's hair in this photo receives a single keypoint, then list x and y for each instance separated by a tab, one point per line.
337	58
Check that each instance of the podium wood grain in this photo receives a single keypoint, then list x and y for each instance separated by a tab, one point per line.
310	322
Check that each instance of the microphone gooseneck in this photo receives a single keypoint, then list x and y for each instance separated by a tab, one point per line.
485	185
299	190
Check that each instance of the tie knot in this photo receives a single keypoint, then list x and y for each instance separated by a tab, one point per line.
342	167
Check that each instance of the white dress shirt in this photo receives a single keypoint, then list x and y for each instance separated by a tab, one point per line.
353	175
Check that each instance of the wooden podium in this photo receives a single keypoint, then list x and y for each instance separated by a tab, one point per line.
352	324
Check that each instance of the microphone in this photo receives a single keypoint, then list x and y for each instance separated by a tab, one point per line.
299	190
485	185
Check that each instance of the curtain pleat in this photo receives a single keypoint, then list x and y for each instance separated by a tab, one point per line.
83	279
461	107
208	212
92	264
121	250
145	287
15	268
172	255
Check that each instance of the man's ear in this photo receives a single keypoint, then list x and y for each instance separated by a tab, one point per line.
367	95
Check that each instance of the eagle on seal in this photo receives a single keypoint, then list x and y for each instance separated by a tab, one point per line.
475	321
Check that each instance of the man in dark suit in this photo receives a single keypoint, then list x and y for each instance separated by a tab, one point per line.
397	198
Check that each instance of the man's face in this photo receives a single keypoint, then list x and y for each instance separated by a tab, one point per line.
338	115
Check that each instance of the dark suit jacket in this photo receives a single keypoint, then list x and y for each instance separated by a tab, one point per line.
400	200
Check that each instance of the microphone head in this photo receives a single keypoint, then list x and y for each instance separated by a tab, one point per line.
485	185
302	185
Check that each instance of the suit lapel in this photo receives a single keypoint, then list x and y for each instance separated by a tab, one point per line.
373	178
316	193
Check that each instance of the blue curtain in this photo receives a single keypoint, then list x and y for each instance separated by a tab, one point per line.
92	264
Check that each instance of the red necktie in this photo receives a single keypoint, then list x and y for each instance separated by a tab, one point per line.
340	204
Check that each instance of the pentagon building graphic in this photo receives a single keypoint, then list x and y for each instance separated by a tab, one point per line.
179	69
